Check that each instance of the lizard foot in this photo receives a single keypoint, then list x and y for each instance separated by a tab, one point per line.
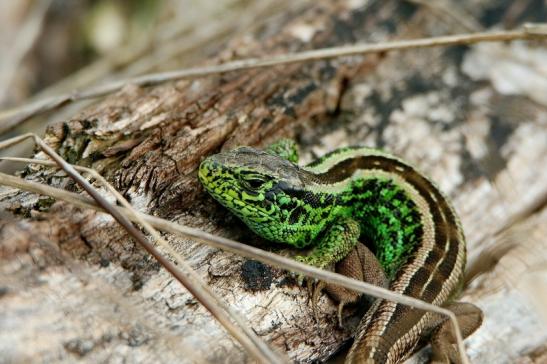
315	293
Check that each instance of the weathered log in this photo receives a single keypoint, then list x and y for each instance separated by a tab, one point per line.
74	286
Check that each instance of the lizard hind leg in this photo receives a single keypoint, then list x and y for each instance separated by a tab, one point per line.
442	338
360	264
342	295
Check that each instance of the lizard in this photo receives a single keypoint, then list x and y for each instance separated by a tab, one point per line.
413	236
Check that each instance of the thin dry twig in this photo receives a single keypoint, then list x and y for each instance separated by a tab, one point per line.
186	276
238	248
12	117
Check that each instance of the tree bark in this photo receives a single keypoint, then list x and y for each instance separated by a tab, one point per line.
73	286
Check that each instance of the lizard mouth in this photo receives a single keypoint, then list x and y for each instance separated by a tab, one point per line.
241	208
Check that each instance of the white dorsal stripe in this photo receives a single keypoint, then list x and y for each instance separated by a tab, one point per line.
447	286
349	153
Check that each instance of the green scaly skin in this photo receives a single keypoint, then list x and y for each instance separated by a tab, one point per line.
354	194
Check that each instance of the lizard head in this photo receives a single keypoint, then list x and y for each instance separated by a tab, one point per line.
264	190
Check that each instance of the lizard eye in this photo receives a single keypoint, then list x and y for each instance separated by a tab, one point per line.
254	183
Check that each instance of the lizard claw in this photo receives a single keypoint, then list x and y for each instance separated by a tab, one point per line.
300	277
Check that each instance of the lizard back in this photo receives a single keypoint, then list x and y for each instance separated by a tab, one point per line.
389	332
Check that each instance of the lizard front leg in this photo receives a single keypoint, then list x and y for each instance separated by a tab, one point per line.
337	242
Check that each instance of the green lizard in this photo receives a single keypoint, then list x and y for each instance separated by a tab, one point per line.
413	235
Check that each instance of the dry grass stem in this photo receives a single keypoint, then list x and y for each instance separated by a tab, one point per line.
12	117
